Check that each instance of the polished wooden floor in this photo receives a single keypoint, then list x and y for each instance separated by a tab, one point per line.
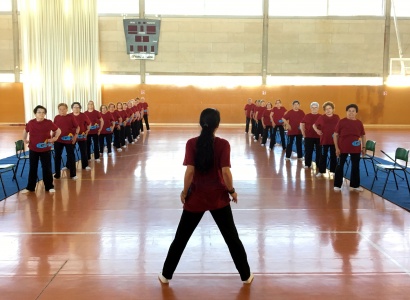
105	236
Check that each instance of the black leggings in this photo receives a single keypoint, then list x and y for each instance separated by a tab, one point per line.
189	221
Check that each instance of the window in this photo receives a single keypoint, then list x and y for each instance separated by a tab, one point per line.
298	8
118	7
356	8
204	7
402	8
5	5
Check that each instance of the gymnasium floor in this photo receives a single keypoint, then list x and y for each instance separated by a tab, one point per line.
106	235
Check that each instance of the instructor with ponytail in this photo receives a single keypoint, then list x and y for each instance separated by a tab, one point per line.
207	186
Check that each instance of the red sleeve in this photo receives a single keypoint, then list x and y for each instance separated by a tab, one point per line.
189	159
225	155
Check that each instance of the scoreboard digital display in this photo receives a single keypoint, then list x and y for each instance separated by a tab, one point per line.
142	35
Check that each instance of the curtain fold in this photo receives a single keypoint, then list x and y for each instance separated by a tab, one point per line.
60	55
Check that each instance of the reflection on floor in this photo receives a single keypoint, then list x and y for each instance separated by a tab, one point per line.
105	236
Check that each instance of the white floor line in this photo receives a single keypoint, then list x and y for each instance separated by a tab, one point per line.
380	249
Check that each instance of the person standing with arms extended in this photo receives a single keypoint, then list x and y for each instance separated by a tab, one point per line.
350	139
69	133
325	127
207	186
41	133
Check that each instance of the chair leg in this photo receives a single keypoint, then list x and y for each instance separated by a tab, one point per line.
374	169
405	175
395	180
2	184
14	175
24	165
365	167
385	183
374	178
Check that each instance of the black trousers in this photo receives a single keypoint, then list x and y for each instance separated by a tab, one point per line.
146	122
134	129
354	173
224	220
310	145
69	149
45	158
266	131
122	136
107	138
253	129
323	158
291	138
117	134
282	136
259	130
93	138
128	134
83	151
248	120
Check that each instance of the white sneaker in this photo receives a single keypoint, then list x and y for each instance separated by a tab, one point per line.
326	175
25	191
110	154
337	189
331	175
300	158
250	279
74	178
124	146
287	158
98	160
132	142
306	167
358	189
88	168
119	150
262	145
162	278
319	175
63	168
51	190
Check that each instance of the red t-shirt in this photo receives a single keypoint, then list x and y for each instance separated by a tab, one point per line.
350	132
252	110
309	120
40	132
123	115
294	117
327	125
116	115
83	121
139	109
248	110
278	115
108	119
145	107
129	115
208	190
266	117
68	126
94	117
260	110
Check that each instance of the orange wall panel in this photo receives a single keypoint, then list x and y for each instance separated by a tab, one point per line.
11	103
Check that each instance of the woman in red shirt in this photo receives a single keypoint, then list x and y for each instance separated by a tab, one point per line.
84	123
123	115
95	129
350	139
39	132
207	186
106	130
278	113
117	128
267	123
69	133
292	119
312	139
325	127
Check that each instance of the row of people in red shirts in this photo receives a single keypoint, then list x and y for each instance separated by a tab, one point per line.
325	134
89	129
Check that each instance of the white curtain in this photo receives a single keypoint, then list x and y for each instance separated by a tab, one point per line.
59	40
